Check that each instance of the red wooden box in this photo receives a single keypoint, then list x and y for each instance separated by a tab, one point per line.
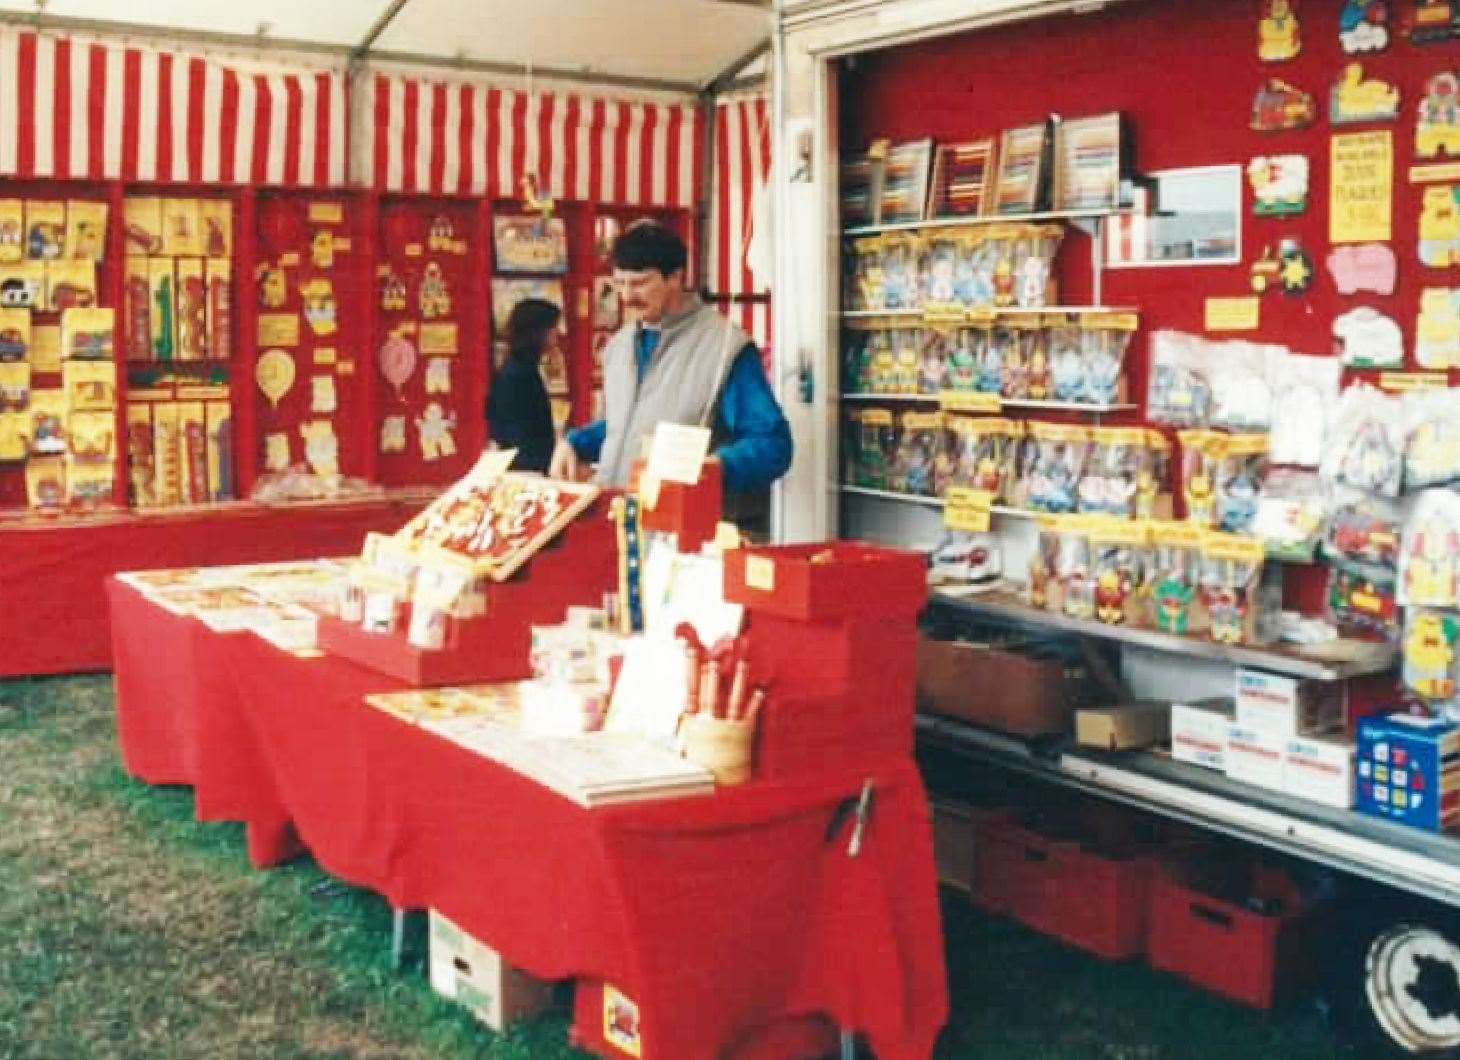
821	656
1227	946
803	734
1095	900
691	513
478	650
817	583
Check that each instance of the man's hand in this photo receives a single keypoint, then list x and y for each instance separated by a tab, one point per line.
564	464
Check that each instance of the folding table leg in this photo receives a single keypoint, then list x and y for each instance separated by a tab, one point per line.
849	1045
397	937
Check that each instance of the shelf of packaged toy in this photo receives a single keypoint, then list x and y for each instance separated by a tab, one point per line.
1337	660
932	502
997	311
1420	862
989	219
1008	403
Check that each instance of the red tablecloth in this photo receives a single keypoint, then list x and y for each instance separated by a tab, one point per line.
52	581
716	915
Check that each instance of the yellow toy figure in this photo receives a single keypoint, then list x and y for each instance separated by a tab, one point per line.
319	306
1437	329
1438	129
1429	655
435	300
273	288
1354	99
322	249
435	429
1277	34
321	447
1110	596
1439	227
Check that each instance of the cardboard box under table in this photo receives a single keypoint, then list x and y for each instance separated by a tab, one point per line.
468	971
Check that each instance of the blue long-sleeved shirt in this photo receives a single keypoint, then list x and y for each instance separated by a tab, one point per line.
759	450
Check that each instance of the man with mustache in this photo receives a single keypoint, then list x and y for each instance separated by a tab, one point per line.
678	362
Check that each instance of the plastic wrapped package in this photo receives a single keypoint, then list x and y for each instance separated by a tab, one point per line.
917	450
907	351
1365	449
1072	572
1429	559
974	275
985	447
1172	580
901	289
878	443
994	353
933	361
1304	390
1042	590
1117	556
1106	337
1056	465
1034	252
1432	433
1241	469
965	347
1066	358
1179	390
865	291
1291	509
851	446
945	459
1153	477
1034	344
1228	585
939	268
1000	241
881	361
1200	454
1362	602
1363	531
856	359
1015	338
1108	486
1242	397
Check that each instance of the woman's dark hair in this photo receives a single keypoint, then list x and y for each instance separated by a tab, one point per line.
529	325
649	245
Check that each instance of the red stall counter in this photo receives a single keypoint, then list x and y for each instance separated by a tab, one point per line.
53	581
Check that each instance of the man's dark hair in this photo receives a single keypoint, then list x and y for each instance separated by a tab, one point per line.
649	245
528	326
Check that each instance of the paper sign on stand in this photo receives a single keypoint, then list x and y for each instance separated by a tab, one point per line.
681	588
651	690
677	454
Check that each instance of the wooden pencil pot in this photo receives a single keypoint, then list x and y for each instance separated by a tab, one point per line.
722	746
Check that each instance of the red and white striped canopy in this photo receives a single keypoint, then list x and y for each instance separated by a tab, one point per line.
478	139
77	108
742	167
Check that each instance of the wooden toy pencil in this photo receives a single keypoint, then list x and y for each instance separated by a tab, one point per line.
756	699
735	706
692	700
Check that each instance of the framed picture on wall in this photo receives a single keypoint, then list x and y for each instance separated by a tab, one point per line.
530	244
1089	156
1023	170
963	174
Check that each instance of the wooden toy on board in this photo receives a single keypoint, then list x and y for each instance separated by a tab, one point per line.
1438	128
1279	106
1279	185
1359	267
1439	226
1278	32
1363	26
1353	99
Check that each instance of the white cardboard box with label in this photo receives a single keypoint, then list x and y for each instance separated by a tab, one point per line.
1199	732
1255	756
473	974
1286	705
1321	769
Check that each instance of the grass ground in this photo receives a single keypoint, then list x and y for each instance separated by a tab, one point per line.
128	930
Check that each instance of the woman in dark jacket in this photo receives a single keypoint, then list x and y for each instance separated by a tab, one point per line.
518	413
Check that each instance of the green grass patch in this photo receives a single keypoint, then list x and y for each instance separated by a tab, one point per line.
132	931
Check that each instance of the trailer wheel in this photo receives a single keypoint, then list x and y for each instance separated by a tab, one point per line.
1412	982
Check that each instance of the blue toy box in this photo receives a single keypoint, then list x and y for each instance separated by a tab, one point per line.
1409	770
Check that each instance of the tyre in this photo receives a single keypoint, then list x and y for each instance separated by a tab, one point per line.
1412	985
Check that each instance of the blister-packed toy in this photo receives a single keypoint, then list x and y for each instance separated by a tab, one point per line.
1200	454
1241	390
1106	339
1016	346
1304	390
995	350
1429	560
1117	555
1432	433
1240	469
1228	584
965	347
1291	509
919	444
985	452
1072	570
1066	358
973	279
1172	580
881	360
1365	448
940	268
1056	463
1034	250
856	360
1112	469
1153	496
901	289
865	291
1178	390
933	360
1363	530
1362	602
1042	590
878	446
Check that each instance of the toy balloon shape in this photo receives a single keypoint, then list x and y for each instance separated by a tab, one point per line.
397	361
274	373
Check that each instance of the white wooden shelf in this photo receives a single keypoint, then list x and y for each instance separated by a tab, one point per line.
1008	403
993	219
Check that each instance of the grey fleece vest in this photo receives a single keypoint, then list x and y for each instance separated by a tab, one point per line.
681	385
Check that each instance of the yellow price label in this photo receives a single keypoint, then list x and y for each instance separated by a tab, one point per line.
969	401
968	510
760	573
